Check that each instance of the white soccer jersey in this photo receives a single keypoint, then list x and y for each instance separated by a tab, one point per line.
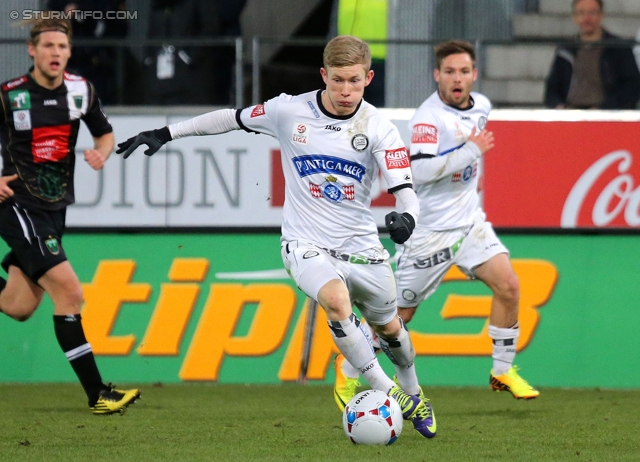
449	195
329	164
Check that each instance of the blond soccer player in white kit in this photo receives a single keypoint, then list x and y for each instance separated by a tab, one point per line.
448	136
333	143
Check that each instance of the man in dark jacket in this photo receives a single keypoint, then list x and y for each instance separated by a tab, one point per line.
597	72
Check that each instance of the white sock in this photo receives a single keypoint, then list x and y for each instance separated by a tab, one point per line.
348	370
354	344
401	353
505	340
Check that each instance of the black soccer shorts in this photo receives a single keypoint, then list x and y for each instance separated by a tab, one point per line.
34	236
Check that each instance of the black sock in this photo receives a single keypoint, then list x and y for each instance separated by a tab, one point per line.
71	339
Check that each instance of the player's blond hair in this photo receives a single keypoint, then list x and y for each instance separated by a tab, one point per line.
346	50
454	47
49	25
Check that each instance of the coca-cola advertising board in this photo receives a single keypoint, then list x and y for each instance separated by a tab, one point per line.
568	173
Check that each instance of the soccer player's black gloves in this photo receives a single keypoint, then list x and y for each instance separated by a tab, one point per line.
155	139
400	226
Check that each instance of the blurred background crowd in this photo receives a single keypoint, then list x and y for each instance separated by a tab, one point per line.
532	53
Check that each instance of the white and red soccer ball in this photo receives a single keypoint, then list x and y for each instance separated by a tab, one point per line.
372	417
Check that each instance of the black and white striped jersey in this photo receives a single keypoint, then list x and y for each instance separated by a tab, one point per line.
38	133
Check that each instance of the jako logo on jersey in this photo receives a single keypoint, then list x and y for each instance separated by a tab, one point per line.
258	111
309	165
300	133
332	127
465	176
313	109
424	133
50	102
396	158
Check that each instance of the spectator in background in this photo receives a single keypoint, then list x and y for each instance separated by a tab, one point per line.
176	74
589	75
95	63
367	20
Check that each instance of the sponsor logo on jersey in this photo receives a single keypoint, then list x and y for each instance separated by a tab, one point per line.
482	122
22	120
258	111
50	102
73	77
424	133
77	100
332	190
441	256
14	83
360	142
50	144
396	158
317	163
300	133
465	175
313	109
332	128
20	99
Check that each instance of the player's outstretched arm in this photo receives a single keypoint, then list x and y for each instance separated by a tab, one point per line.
154	139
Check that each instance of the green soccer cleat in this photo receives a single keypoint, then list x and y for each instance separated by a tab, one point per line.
112	400
418	411
345	387
513	383
420	395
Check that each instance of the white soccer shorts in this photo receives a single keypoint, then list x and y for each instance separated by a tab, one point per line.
368	276
427	256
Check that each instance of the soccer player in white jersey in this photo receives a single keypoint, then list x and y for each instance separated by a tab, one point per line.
448	136
333	144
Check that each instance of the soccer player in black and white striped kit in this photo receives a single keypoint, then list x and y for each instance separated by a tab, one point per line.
40	116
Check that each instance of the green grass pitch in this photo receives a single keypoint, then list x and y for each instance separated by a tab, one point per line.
211	422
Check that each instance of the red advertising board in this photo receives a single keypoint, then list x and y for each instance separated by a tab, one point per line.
563	174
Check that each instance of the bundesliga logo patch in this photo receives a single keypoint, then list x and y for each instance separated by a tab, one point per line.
300	133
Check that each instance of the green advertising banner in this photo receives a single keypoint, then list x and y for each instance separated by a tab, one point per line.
220	307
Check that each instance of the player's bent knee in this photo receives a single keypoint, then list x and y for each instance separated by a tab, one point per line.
19	313
407	313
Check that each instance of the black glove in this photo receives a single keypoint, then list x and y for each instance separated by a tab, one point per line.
399	226
152	138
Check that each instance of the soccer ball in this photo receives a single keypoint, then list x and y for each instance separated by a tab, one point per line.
372	417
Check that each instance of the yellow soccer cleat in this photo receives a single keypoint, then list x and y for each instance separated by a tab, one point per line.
112	400
345	387
512	382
